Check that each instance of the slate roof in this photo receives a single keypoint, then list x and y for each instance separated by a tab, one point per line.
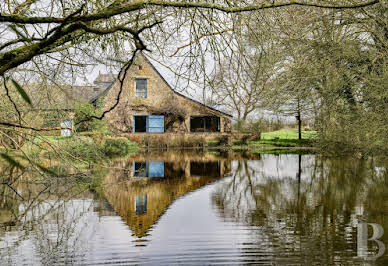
66	97
87	93
105	78
53	98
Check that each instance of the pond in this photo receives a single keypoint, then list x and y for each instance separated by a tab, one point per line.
197	207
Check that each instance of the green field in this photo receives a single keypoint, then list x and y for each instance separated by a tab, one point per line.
288	134
285	138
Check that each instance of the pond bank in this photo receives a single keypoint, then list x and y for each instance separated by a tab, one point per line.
92	147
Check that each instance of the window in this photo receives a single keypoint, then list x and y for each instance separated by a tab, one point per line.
150	124
140	88
205	124
148	169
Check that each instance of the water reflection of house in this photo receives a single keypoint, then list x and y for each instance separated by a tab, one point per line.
161	169
169	165
147	186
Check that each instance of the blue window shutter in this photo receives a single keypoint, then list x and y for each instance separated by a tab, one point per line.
156	124
133	122
66	132
156	169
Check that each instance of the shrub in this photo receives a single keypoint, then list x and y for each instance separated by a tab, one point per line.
98	137
117	147
85	149
84	112
89	150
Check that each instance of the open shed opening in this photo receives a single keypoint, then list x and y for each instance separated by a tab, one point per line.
140	124
204	124
210	169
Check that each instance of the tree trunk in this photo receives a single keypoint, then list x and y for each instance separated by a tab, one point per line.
245	117
298	175
299	126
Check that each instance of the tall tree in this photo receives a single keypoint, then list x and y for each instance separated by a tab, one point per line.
335	65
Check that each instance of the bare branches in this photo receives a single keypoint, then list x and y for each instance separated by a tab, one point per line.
23	6
60	36
135	33
10	99
201	37
119	7
12	125
82	22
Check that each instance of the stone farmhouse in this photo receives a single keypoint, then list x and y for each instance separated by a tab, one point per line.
148	104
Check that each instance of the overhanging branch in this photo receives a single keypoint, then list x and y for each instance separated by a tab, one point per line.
118	8
12	125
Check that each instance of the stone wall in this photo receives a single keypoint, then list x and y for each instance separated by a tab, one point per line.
161	100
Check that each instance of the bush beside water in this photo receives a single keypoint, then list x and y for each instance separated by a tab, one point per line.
116	147
90	150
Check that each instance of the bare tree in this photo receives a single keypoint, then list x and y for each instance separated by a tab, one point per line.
241	82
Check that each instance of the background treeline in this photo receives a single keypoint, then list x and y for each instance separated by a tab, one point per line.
326	65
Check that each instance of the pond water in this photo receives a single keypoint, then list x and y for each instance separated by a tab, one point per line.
202	208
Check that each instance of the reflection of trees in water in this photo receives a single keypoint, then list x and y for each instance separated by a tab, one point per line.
41	219
305	205
255	187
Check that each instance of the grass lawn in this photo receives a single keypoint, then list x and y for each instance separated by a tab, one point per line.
288	134
285	138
